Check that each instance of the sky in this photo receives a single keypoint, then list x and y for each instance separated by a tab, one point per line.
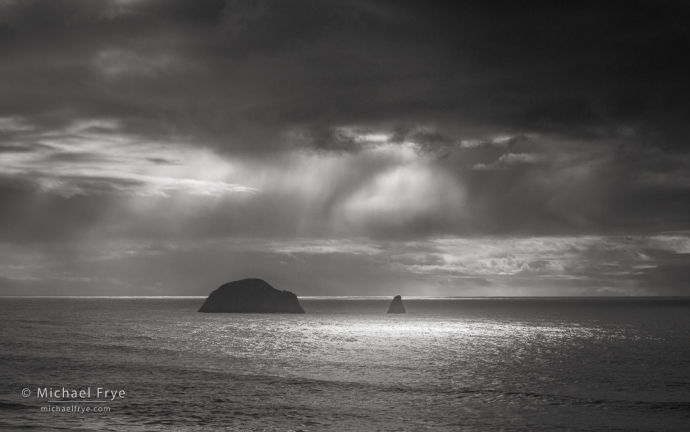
164	147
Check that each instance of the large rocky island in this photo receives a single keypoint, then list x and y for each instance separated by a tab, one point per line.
251	296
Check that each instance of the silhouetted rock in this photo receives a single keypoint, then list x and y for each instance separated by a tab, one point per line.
251	295
396	305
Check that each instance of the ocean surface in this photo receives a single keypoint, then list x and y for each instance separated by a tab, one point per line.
614	364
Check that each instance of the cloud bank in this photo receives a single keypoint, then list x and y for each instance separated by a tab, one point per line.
364	147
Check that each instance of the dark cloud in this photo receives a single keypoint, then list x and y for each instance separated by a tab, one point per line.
239	74
324	139
22	148
391	120
164	161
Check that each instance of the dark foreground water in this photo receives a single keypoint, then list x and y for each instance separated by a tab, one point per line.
447	365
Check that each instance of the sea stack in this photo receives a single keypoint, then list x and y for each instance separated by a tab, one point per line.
396	305
251	296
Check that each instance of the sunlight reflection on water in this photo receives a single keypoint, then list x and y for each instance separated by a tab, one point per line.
346	365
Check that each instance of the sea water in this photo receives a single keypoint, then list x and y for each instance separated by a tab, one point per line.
346	365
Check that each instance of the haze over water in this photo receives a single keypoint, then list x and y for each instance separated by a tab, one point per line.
448	364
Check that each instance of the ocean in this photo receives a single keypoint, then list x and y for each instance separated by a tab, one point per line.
537	364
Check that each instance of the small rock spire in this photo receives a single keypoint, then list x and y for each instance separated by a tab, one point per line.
396	305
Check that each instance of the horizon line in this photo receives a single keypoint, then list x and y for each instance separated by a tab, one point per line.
318	297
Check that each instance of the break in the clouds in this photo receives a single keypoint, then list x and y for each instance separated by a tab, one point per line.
165	147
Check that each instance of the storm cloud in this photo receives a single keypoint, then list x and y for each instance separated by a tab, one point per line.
252	131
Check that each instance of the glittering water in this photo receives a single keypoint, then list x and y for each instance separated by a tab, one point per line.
448	364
